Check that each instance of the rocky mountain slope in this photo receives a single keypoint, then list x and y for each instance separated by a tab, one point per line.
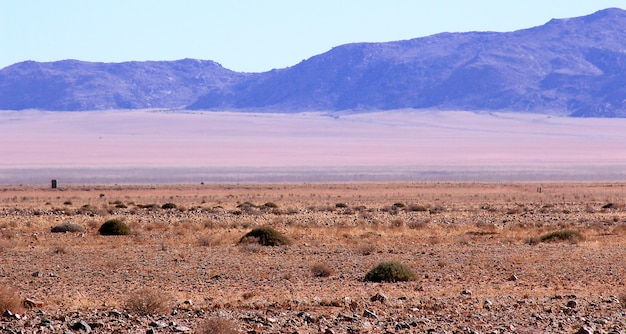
76	85
570	67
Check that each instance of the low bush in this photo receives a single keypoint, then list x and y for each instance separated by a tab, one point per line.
148	302
390	272
169	206
562	235
321	270
114	227
266	236
217	326
67	227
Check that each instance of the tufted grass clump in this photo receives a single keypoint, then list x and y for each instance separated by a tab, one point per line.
67	227
266	236
148	301
114	227
217	325
562	235
390	272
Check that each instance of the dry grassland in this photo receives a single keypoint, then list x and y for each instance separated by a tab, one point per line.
475	248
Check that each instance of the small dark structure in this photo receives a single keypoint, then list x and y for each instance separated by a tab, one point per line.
54	184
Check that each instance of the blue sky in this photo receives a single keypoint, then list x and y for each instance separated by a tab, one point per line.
249	35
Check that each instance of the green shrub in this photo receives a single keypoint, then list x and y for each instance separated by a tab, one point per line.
266	236
67	227
168	206
562	235
390	272
114	227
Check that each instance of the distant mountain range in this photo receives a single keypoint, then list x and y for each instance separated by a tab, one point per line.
574	67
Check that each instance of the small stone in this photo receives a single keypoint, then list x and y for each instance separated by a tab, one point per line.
572	304
370	314
487	304
585	330
379	297
31	303
182	329
512	278
466	292
37	274
402	325
81	326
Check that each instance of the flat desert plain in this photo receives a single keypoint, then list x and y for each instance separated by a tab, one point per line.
150	146
484	255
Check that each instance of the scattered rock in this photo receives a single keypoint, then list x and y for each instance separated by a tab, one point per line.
81	326
572	304
512	278
370	314
379	297
31	303
466	292
585	330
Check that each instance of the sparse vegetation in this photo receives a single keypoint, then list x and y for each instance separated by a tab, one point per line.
321	270
148	302
390	272
114	227
169	206
67	227
562	235
217	325
267	236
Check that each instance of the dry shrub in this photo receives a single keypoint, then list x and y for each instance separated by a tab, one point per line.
367	249
562	235
321	270
10	300
417	208
217	326
147	301
67	227
267	236
209	241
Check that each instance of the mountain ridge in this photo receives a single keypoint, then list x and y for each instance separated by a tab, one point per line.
573	66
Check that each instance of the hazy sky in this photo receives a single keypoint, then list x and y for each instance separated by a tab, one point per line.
249	35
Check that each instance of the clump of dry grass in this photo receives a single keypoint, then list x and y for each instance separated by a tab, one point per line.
321	270
147	301
562	235
10	300
217	326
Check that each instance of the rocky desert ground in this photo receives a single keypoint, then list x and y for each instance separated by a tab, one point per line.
480	252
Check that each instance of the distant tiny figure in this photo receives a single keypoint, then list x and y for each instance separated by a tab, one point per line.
54	184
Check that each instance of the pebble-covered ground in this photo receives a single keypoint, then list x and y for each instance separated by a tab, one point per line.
476	249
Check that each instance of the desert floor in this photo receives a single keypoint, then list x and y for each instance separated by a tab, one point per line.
476	249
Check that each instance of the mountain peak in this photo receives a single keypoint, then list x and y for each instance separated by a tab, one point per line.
570	66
